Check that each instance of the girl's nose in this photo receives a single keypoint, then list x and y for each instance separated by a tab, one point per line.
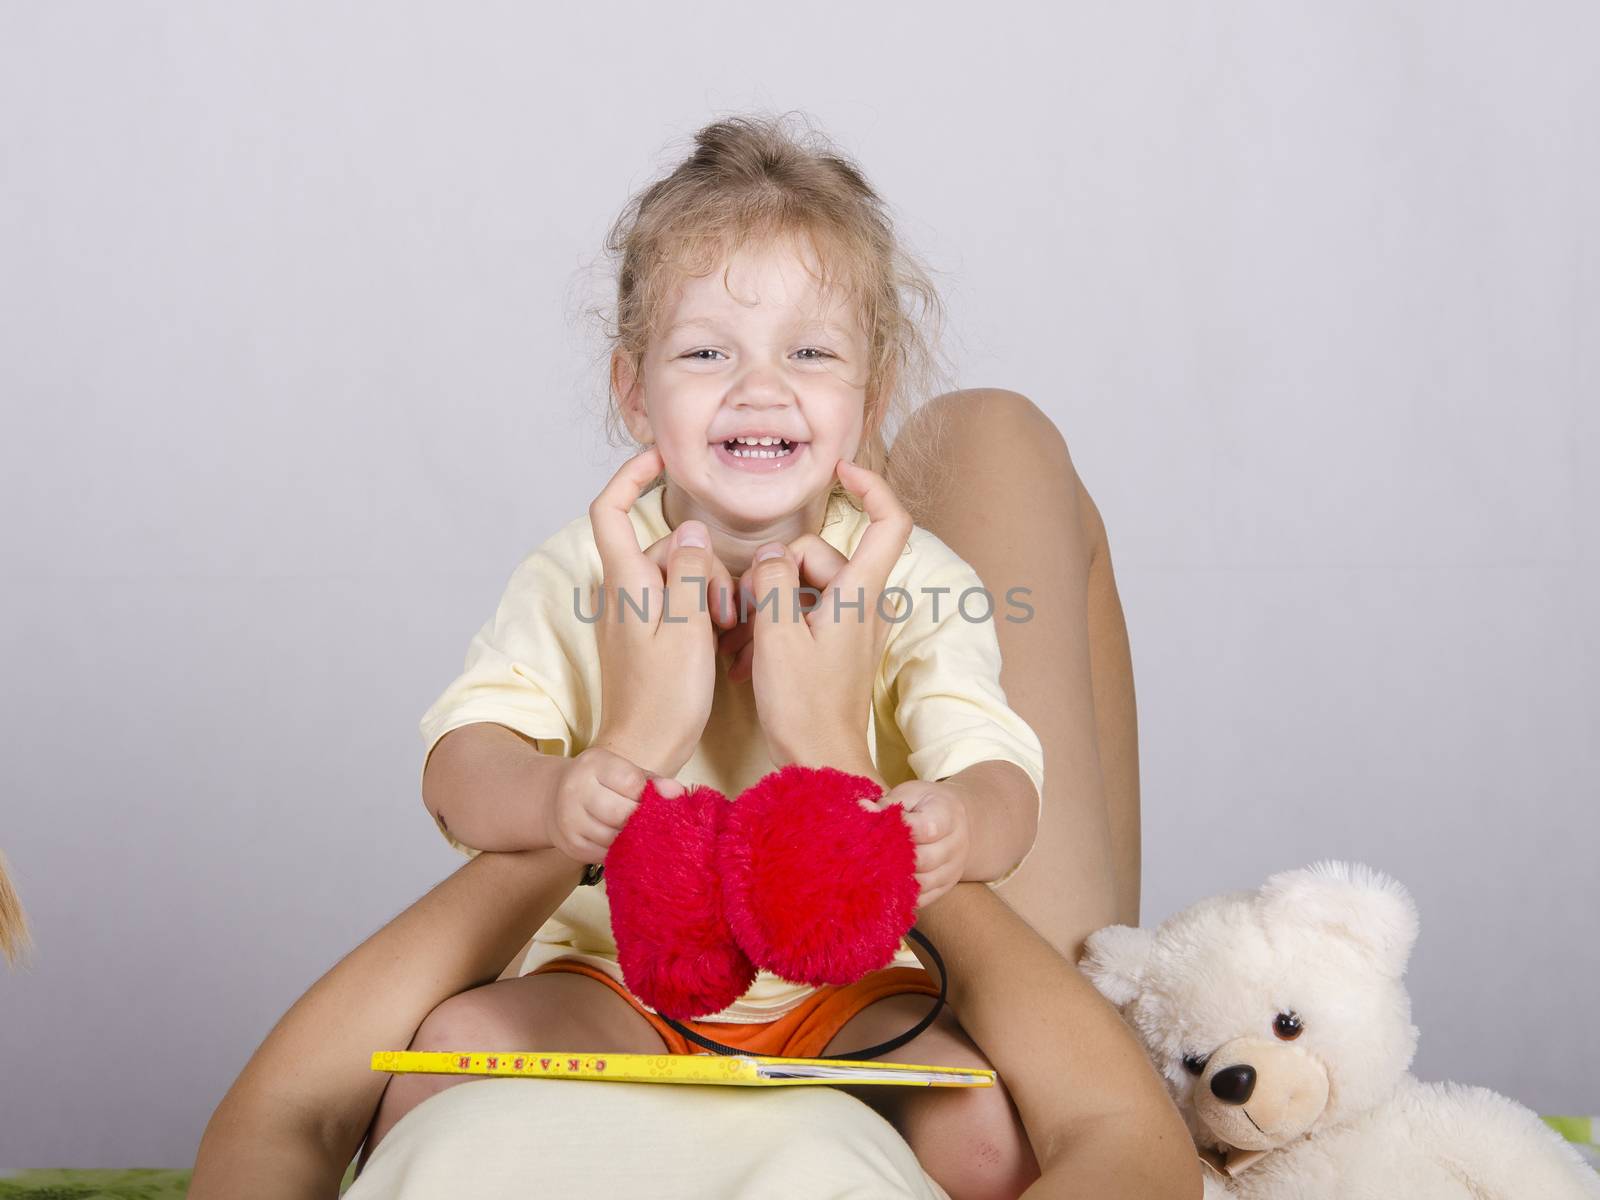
760	387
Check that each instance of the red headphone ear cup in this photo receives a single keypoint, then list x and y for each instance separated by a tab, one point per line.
673	942
817	888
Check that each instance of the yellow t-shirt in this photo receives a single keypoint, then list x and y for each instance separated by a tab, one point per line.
937	704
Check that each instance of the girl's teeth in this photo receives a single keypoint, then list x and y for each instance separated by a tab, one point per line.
748	448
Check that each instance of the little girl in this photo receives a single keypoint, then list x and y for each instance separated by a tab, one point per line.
762	340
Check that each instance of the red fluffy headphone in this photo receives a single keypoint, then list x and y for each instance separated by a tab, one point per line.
796	877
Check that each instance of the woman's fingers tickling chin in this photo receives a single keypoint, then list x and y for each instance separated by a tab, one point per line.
886	535
622	563
717	592
731	641
819	561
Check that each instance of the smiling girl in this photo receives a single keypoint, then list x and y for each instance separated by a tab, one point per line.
764	337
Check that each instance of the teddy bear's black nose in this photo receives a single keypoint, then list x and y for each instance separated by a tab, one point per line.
1233	1085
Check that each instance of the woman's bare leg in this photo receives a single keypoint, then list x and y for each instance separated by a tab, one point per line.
291	1122
553	1011
1015	509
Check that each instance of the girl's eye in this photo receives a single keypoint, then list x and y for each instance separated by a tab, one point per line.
1195	1064
695	354
1287	1026
820	354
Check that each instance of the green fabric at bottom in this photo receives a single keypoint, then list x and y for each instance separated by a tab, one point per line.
133	1184
97	1185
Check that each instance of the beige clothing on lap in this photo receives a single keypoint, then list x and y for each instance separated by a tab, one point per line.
510	1139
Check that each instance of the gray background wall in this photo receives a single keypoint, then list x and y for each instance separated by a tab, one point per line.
292	381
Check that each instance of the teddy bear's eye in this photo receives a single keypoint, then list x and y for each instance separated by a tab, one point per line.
1194	1063
1287	1026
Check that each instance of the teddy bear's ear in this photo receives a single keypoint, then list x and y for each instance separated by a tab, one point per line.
1114	960
1373	911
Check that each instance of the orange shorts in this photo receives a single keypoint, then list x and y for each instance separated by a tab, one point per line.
802	1032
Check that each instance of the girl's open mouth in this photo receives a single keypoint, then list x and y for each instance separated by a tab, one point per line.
759	456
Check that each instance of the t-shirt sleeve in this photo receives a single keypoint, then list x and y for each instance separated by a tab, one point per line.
522	667
949	705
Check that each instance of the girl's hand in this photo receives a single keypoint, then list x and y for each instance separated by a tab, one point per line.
657	649
597	794
937	816
813	672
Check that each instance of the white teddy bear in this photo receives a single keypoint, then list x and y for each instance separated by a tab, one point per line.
1281	1025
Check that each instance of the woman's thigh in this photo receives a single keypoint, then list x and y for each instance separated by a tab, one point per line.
1013	507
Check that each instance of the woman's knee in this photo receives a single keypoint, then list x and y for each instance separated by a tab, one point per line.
972	1143
1000	413
464	1021
1009	417
562	1010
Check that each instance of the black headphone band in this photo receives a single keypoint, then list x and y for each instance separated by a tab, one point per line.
893	1043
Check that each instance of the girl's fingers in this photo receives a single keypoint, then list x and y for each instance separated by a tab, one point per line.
610	809
587	851
935	884
942	877
589	838
588	828
933	857
926	827
620	776
621	560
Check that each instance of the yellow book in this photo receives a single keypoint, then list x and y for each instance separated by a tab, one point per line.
742	1070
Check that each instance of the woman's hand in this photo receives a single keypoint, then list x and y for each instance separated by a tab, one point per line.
597	794
656	643
813	672
818	564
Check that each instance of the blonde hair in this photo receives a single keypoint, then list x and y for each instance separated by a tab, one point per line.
751	180
14	938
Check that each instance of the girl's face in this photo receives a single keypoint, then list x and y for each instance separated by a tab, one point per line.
767	354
